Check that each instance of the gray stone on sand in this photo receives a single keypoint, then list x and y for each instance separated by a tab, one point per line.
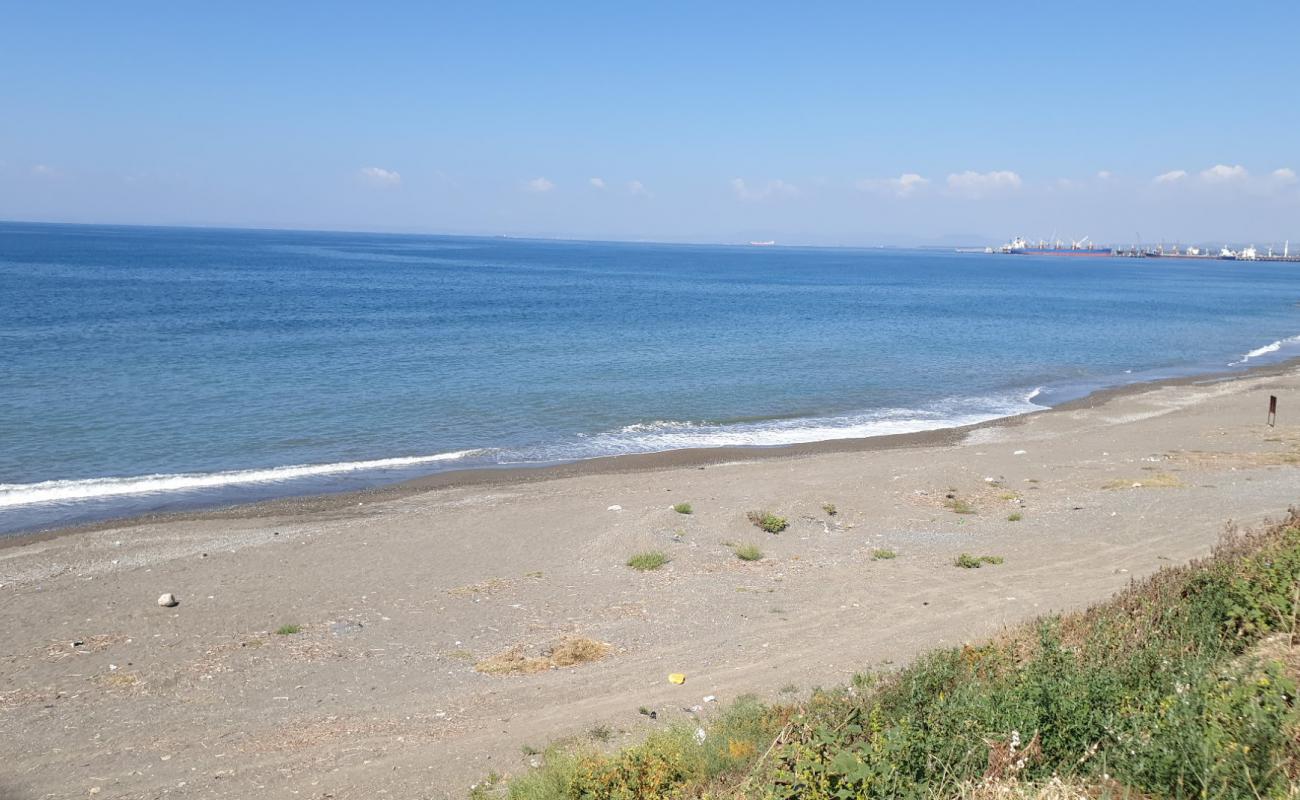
168	600
344	627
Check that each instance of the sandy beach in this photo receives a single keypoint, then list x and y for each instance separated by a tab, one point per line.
389	599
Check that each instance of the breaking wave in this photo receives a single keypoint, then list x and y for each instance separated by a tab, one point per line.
19	494
1267	349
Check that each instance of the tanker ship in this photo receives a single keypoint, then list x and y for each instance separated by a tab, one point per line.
1018	246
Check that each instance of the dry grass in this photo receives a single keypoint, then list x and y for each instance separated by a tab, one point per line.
571	652
1161	480
483	587
959	506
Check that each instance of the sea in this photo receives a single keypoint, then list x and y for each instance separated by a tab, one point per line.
152	369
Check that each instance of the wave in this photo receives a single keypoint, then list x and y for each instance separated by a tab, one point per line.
1266	349
663	435
643	437
19	494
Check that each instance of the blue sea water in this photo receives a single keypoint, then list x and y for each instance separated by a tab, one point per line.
147	368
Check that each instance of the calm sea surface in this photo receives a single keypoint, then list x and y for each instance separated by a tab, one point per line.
143	369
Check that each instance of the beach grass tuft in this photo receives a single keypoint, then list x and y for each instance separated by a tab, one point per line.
959	506
649	560
767	521
749	552
683	508
968	561
883	554
830	509
1015	516
288	630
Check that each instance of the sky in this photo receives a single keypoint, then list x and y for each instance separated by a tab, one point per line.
813	123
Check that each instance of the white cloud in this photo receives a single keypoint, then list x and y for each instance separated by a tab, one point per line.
1284	175
1172	176
978	184
902	186
596	183
1222	173
1105	175
539	185
776	188
378	176
637	188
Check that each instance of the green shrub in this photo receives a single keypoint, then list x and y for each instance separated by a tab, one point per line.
768	521
830	509
649	560
883	554
1015	516
968	561
959	506
683	508
288	630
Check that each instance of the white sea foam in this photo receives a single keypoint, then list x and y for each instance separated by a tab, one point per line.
1266	349
662	435
20	494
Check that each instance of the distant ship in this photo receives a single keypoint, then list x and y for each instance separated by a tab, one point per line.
768	243
1018	246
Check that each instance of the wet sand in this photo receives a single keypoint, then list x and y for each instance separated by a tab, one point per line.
401	591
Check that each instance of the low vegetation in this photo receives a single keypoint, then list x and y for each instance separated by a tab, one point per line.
1015	516
959	506
683	508
1162	480
749	552
767	521
288	630
649	560
968	561
883	554
570	652
1183	686
830	509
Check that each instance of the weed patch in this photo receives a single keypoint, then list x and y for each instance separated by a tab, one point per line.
650	560
767	521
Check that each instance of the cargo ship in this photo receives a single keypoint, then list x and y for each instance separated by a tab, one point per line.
1018	246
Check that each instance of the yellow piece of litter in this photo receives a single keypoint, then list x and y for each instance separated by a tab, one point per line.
677	677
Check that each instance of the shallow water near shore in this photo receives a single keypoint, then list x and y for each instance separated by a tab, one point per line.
151	369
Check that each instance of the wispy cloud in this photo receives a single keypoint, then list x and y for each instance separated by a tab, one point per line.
1172	176
539	185
776	188
596	183
1105	175
1222	173
1284	175
979	184
378	176
902	186
637	188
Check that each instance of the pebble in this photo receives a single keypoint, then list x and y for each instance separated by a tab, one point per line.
168	600
614	508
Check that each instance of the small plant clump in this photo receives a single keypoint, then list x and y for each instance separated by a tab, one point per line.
749	552
959	506
766	520
968	561
649	560
883	554
288	630
1015	516
683	508
830	509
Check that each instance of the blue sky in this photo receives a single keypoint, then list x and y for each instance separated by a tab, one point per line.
818	123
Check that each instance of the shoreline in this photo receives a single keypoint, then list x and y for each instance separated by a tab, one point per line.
698	457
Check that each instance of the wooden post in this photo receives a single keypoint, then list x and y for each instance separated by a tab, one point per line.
1272	410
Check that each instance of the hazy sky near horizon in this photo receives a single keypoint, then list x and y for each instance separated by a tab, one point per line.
825	123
